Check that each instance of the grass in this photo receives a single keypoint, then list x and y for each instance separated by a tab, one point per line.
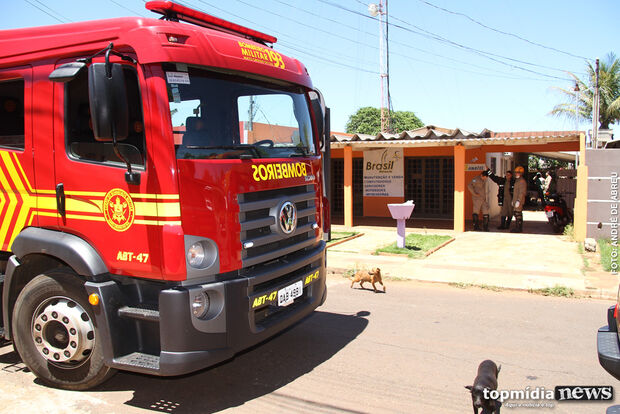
415	245
606	250
557	290
569	231
586	262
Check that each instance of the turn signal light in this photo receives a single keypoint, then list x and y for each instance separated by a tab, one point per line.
93	299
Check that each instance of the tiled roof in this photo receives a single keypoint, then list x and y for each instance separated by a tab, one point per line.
434	135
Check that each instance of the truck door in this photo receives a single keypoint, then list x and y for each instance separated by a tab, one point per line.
94	200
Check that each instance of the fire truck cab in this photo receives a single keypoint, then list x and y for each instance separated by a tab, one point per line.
163	200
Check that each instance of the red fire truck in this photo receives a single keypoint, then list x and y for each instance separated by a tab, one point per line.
163	194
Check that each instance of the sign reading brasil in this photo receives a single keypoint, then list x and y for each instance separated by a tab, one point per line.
384	173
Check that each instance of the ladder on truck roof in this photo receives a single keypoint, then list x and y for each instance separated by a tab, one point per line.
176	12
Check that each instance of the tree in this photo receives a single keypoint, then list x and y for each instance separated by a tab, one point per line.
367	120
609	88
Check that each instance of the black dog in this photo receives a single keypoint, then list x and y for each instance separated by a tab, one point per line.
485	379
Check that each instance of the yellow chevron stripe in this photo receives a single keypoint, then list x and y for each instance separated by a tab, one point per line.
6	223
23	175
42	202
102	194
28	202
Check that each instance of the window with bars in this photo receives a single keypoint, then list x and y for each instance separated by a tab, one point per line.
337	178
429	182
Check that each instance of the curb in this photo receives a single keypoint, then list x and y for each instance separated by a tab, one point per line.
433	250
599	294
355	236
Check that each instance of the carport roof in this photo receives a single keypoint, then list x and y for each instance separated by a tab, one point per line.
431	136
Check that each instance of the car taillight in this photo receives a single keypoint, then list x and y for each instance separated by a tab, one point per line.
616	312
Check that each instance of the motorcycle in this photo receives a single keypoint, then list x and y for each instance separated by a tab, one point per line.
558	213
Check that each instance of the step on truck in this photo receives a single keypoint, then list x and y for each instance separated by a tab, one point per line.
163	200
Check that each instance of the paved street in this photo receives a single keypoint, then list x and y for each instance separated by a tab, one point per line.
410	350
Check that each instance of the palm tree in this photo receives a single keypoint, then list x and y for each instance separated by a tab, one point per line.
609	91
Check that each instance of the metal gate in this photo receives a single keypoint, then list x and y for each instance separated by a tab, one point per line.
337	178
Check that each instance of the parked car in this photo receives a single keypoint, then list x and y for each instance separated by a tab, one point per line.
608	342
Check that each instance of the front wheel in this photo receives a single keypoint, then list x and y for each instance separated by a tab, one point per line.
56	334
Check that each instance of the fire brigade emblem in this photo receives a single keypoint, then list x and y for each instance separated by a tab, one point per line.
118	209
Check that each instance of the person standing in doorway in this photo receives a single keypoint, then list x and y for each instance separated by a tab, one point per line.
518	199
478	189
548	180
504	197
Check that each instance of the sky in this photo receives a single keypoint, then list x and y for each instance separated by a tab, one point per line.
444	64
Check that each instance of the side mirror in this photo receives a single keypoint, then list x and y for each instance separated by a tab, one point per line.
318	108
108	102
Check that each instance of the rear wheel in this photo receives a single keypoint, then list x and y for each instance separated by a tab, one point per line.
56	334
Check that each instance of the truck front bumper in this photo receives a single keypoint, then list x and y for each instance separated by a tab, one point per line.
245	312
608	346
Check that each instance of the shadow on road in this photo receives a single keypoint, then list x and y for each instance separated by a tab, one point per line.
251	374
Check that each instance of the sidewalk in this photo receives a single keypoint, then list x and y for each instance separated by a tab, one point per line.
529	260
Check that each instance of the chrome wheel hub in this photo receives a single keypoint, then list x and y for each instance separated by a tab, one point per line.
62	331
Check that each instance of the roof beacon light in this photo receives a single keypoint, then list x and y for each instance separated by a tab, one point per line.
175	12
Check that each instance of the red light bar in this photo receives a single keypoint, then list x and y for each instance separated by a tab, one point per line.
174	11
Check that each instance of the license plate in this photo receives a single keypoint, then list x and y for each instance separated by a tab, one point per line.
549	213
287	295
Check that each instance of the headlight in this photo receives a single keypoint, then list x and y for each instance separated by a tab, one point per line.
196	255
200	305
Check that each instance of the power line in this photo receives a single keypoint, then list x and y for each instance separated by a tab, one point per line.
502	31
322	58
319	55
53	11
127	8
406	45
425	33
45	11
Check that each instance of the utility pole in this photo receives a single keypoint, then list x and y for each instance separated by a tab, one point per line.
381	11
251	113
576	90
595	110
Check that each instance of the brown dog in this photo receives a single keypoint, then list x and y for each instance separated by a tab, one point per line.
373	276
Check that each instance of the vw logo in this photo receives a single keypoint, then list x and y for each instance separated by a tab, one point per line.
288	217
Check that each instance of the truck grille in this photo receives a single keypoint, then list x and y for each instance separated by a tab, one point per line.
258	217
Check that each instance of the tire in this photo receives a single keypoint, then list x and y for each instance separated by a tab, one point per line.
557	226
47	309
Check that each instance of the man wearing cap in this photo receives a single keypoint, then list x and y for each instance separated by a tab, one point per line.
518	199
478	189
504	197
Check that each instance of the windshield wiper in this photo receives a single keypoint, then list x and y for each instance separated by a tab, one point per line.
250	147
303	152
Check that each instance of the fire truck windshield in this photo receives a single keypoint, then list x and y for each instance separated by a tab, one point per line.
221	116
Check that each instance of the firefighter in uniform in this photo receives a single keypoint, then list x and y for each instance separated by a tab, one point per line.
518	199
504	197
478	189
